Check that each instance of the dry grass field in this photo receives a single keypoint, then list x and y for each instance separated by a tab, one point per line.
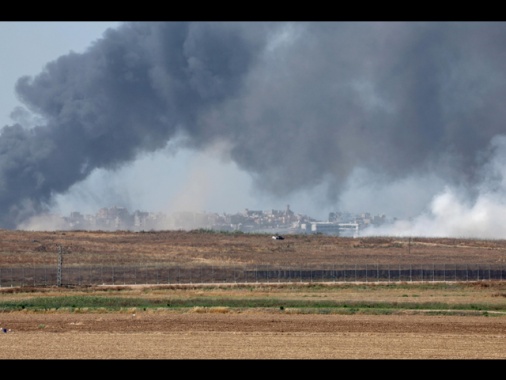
197	247
252	332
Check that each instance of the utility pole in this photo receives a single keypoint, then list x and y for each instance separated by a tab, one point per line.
60	265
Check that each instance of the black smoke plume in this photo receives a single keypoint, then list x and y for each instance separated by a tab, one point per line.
298	104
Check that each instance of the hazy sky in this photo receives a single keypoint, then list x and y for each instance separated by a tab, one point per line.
404	119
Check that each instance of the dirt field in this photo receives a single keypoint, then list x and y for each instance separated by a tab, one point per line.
251	334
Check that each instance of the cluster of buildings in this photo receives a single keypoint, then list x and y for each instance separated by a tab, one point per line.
270	221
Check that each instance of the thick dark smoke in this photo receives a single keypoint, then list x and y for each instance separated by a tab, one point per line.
297	104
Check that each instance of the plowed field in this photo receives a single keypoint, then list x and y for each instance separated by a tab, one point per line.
250	336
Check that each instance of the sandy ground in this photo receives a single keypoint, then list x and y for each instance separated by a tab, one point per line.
249	335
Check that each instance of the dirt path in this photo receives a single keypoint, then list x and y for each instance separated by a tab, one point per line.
250	335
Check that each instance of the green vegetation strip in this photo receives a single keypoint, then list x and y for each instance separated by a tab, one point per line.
119	303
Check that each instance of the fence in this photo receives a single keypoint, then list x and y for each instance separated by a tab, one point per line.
173	274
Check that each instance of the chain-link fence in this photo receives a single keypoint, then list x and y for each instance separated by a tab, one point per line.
174	274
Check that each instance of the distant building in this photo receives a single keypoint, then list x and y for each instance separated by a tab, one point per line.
326	228
348	229
285	221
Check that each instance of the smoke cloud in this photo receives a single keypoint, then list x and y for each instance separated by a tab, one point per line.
295	105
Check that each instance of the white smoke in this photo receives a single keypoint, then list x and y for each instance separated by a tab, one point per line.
454	213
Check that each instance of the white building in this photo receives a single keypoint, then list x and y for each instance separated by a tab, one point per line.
348	229
326	228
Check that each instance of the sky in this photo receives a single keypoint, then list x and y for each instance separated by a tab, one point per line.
168	180
404	119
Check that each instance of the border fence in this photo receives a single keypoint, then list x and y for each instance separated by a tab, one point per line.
174	274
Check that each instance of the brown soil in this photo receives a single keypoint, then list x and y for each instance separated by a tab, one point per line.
250	335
